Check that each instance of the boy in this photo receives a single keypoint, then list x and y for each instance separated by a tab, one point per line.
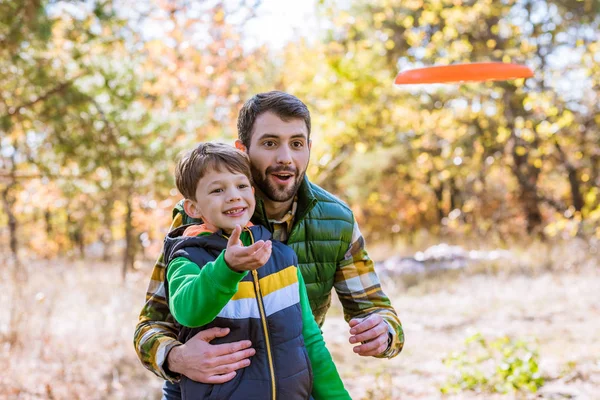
210	283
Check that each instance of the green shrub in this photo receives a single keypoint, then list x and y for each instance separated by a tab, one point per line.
501	365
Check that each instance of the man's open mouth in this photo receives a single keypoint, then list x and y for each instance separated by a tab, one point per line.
283	176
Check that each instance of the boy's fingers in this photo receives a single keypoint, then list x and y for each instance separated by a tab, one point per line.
266	246
255	247
245	253
254	252
266	255
235	236
261	256
254	256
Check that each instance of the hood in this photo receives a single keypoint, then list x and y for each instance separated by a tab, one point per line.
217	241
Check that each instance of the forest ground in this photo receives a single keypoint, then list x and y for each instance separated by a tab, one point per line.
75	322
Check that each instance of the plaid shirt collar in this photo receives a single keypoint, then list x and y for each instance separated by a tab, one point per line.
283	226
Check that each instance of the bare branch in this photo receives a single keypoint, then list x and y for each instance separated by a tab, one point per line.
57	89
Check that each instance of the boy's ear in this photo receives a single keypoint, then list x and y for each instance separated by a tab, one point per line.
240	146
191	209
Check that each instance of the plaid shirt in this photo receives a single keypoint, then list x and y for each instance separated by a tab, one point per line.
356	284
282	227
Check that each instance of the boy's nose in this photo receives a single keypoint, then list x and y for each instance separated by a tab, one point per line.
234	195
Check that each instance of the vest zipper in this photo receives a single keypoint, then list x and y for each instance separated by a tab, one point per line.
263	318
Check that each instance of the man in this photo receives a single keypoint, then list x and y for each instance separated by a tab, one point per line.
274	130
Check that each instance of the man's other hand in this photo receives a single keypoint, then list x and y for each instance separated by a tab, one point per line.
372	332
207	363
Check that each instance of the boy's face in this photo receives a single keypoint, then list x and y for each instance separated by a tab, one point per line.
224	199
279	152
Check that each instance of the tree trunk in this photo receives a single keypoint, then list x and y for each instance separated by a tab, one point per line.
129	253
454	195
595	176
8	202
107	237
48	221
528	195
19	275
575	189
75	232
526	173
439	203
81	238
576	196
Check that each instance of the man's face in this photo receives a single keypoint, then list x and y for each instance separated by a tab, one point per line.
224	199
279	152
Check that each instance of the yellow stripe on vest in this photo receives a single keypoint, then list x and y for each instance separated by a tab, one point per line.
279	280
245	291
268	284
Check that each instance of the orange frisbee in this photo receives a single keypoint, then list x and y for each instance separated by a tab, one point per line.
474	72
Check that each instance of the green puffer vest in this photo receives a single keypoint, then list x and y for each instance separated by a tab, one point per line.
321	236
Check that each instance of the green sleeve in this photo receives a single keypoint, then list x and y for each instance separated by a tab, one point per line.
327	383
197	295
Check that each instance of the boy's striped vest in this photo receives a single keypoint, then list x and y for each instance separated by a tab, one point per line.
265	310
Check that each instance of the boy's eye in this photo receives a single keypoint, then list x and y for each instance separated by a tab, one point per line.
242	186
219	190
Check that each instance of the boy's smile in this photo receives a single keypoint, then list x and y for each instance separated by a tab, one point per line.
224	199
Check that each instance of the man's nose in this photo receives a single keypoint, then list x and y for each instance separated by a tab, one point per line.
284	155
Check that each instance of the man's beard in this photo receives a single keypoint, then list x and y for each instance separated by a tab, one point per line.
273	191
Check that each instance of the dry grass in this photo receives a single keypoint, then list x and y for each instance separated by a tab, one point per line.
75	337
75	332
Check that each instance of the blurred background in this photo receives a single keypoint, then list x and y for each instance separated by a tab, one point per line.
479	202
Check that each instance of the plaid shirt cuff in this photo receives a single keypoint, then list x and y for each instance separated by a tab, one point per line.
161	361
394	343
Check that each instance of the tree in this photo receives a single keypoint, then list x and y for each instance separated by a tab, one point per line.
442	156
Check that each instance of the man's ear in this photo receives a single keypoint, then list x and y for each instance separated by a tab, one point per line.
191	209
309	144
240	146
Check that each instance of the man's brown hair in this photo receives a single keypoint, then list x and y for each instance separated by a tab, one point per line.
206	157
282	104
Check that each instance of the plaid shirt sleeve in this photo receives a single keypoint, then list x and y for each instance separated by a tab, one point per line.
155	334
360	293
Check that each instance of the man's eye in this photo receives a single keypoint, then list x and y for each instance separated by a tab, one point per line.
269	143
297	145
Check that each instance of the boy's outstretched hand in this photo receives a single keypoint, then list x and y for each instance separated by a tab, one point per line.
241	258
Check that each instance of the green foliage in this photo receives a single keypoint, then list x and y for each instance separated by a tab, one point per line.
501	365
514	156
90	94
